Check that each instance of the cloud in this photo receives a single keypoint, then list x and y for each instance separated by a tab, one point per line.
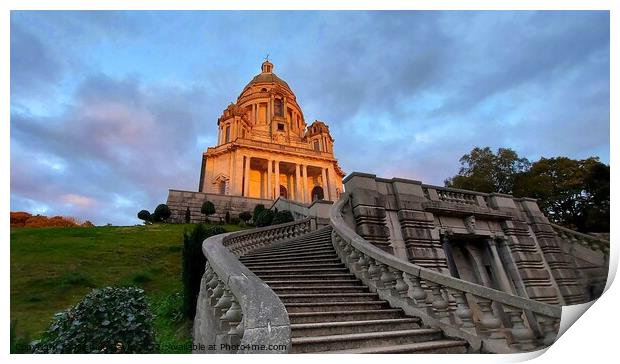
117	107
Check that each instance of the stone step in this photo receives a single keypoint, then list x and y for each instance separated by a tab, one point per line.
304	252
253	266
297	246
296	307
318	289
344	313
300	271
315	344
297	255
317	258
327	297
428	347
313	283
316	276
352	327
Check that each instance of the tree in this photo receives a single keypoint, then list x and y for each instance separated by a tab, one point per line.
482	170
208	208
227	217
161	213
573	193
245	216
145	216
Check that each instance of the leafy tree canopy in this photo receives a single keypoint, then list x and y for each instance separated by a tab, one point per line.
574	193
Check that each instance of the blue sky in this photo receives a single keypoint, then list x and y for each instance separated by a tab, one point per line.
110	109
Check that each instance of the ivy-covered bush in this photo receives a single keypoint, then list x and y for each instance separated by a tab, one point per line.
194	264
264	218
282	217
108	320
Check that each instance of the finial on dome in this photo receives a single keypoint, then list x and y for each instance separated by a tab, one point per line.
267	67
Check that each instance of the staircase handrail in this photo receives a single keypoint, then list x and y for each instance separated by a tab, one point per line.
236	311
429	294
588	241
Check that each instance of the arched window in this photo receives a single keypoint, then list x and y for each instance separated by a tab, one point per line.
283	191
317	193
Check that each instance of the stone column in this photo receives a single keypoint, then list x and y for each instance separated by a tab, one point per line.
246	177
304	180
333	182
254	114
498	267
269	189
277	173
447	248
298	196
324	180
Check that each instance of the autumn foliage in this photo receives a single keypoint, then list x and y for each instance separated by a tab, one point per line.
24	219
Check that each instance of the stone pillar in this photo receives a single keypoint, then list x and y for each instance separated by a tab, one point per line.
277	186
269	189
498	267
304	180
298	195
246	177
325	188
447	248
255	113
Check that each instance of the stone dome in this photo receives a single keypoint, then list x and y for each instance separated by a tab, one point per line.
267	76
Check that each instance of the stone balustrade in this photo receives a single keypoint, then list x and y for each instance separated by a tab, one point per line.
585	240
242	242
451	195
489	320
236	311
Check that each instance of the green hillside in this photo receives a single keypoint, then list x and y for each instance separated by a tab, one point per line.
53	268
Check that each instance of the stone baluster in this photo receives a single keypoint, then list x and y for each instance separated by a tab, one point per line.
401	289
521	334
235	334
374	272
439	303
222	305
387	279
418	294
362	265
217	292
352	259
490	324
462	312
547	325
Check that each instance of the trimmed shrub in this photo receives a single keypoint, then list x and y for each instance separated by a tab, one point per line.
161	213
194	264
108	320
207	208
264	218
235	220
144	215
227	217
245	216
188	215
282	217
257	210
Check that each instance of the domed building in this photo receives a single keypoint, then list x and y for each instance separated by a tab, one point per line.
266	150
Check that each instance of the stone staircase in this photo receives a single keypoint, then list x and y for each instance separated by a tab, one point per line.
330	310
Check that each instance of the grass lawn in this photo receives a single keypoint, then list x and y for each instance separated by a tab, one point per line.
53	268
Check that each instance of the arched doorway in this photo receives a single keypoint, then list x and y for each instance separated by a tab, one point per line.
317	193
283	192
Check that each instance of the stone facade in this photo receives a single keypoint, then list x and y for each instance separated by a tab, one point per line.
265	149
493	240
179	201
